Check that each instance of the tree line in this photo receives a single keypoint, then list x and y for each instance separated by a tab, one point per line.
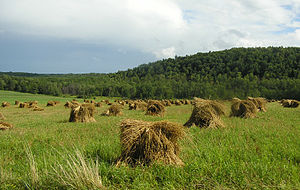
272	72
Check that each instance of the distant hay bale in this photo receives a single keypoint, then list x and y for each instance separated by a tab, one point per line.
178	102
17	103
260	103
2	116
32	104
206	113
56	102
113	110
144	143
51	103
243	109
155	108
187	102
68	104
290	103
168	103
82	113
5	104
23	105
5	126
138	106
98	104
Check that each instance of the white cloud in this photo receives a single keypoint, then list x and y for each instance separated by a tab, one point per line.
167	52
164	28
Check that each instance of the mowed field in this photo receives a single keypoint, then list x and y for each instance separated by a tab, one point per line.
45	151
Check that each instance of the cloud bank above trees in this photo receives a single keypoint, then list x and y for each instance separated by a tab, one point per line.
160	28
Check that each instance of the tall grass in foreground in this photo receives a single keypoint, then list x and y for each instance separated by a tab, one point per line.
33	173
78	173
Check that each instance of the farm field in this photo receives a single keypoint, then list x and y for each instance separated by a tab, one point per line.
43	147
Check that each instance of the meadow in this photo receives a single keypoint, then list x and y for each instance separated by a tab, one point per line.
45	151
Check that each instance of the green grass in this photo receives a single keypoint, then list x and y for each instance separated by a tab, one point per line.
43	147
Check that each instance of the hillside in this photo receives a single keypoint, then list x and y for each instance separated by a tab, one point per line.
272	72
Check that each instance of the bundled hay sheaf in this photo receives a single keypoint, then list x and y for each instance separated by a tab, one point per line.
147	142
82	113
4	125
113	110
98	104
138	106
17	103
23	105
243	109
155	108
290	103
206	113
5	104
51	103
260	103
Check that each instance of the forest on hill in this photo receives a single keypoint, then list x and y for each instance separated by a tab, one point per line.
272	72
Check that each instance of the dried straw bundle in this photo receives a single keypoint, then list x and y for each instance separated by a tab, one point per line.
113	110
5	104
155	108
146	142
290	103
243	109
4	125
260	103
206	113
82	113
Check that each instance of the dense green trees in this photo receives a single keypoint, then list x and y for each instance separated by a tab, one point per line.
271	72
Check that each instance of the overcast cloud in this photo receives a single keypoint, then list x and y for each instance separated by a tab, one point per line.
153	29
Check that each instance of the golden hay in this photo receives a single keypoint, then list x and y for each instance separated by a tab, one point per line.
147	142
68	104
82	113
113	110
4	125
290	103
178	103
17	103
51	103
23	105
98	104
260	103
32	104
2	116
155	108
206	113
138	106
5	104
243	109
168	103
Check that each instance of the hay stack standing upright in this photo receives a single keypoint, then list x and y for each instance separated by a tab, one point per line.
243	109
155	108
206	113
82	113
146	142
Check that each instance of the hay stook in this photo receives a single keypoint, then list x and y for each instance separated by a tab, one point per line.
243	109
82	113
5	126
144	143
206	113
155	108
113	110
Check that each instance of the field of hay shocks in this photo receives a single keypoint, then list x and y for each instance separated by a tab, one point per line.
45	151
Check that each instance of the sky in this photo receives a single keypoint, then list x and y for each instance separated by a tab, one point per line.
104	36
